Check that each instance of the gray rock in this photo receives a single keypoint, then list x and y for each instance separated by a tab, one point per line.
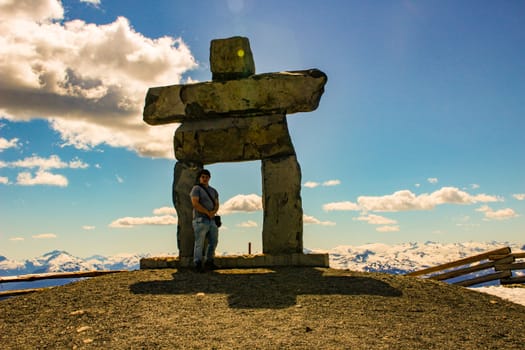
231	58
184	178
239	116
283	212
233	139
263	94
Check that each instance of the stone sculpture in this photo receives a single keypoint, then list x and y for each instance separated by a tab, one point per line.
239	116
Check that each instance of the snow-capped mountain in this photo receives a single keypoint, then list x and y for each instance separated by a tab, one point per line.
61	261
376	257
406	257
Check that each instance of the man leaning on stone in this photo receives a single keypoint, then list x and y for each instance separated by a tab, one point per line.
205	201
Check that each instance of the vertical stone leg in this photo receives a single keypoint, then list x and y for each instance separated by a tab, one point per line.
184	177
283	212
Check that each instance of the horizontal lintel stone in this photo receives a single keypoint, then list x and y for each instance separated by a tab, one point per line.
257	95
233	139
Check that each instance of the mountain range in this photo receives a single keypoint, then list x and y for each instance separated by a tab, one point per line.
376	257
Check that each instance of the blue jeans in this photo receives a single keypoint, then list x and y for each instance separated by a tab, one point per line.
204	228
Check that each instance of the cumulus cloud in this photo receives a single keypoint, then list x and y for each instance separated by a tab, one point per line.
95	3
388	229
89	81
4	180
247	224
162	216
41	178
519	196
502	214
329	183
307	219
432	180
165	211
341	206
45	236
129	222
6	144
53	162
406	200
246	203
376	219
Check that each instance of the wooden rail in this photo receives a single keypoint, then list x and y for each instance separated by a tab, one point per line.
44	276
493	265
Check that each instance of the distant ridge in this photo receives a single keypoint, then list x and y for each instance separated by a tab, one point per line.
374	257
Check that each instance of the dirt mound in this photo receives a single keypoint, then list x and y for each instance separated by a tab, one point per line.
260	308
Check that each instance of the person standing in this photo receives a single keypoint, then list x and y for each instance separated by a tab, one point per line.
205	201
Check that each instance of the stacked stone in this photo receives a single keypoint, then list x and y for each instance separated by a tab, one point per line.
239	116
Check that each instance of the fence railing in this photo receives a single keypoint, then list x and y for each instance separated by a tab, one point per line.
45	276
498	264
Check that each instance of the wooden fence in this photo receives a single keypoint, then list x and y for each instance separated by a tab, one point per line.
44	276
498	264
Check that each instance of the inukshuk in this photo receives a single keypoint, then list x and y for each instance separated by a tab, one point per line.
239	116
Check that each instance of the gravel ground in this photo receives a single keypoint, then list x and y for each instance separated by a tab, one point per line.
281	308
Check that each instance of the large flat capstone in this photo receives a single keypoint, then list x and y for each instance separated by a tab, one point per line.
261	94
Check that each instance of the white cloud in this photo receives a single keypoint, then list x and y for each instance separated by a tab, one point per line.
388	229
165	211
78	164
41	178
241	203
247	224
474	186
89	81
119	179
129	222
432	180
519	196
4	180
307	219
38	11
42	175
330	183
88	227
502	214
53	162
16	239
406	200
95	3
45	236
376	220
6	144
337	206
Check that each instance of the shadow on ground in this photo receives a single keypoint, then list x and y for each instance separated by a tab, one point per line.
267	288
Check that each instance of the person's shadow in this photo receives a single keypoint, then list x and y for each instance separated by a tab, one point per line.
267	288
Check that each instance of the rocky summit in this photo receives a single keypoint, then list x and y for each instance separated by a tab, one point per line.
278	308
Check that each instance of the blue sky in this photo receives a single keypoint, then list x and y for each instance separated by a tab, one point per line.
419	135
